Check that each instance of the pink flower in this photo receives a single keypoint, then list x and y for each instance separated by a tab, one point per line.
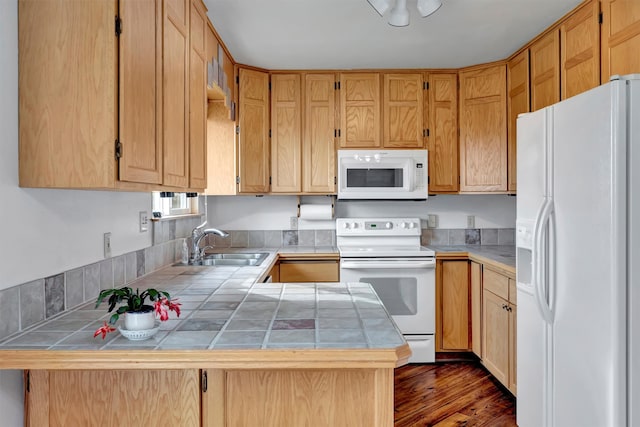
104	330
174	305
160	309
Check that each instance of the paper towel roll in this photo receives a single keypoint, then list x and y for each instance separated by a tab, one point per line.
316	212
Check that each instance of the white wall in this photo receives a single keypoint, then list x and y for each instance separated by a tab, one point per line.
45	232
274	212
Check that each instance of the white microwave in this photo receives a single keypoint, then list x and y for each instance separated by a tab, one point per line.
382	175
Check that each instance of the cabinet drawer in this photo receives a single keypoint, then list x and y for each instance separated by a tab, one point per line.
309	271
512	292
496	283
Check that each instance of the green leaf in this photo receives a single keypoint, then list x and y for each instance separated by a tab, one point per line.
123	309
114	318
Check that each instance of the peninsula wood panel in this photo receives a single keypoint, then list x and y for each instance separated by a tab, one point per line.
518	102
221	151
175	92
495	335
545	71
68	113
313	398
360	110
620	38
253	145
318	145
580	50
403	111
286	133
455	305
483	129
476	307
198	96
442	113
114	398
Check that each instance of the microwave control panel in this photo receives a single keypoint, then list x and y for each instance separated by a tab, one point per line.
420	168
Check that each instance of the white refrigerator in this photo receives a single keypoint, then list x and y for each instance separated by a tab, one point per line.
578	260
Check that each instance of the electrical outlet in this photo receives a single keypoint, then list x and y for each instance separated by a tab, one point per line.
432	221
107	245
471	221
293	223
144	221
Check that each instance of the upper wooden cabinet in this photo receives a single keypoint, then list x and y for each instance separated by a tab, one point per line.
360	110
580	50
483	129
545	71
403	111
253	140
119	119
198	96
441	114
318	145
517	102
286	133
620	37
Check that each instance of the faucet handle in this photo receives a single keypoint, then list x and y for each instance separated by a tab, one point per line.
204	249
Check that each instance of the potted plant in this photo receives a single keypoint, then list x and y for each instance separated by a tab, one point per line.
139	314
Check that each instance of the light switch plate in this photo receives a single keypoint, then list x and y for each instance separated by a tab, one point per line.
144	221
106	242
432	221
471	221
293	223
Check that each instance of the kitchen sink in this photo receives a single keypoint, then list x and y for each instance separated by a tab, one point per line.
235	259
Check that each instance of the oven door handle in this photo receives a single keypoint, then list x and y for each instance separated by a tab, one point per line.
352	265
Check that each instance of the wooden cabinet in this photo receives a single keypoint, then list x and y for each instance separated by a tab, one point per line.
441	111
475	283
499	327
286	133
452	299
122	398
309	270
545	71
318	145
253	142
360	109
198	30
580	50
483	129
620	38
517	102
403	111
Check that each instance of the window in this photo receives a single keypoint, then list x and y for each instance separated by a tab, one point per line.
173	204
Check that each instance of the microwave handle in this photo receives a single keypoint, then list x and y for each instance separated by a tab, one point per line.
353	265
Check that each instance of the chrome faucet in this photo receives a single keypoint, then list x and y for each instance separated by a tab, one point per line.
197	234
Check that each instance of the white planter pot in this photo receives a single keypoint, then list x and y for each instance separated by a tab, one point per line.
139	321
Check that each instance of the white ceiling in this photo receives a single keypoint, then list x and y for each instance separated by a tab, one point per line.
344	34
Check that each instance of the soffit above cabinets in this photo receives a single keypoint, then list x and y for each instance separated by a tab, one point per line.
345	34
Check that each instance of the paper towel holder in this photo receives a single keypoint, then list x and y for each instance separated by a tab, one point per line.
333	204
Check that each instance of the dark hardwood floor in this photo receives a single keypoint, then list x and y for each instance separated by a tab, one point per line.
461	394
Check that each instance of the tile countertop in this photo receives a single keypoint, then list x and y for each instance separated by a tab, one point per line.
503	254
227	308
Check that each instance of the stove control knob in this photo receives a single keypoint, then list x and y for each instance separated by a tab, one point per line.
388	225
354	225
403	225
412	225
346	225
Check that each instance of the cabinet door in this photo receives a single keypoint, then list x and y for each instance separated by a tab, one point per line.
198	97
286	122
476	308
483	129
517	103
455	305
253	146
141	91
620	37
123	398
442	112
403	111
175	92
545	71
309	271
318	146
360	110
495	336
580	50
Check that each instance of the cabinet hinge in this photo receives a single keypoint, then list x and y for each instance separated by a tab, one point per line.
336	85
458	179
335	180
269	85
425	85
600	18
237	130
269	133
428	180
28	385
204	382
269	180
237	79
237	180
425	132
118	149
118	26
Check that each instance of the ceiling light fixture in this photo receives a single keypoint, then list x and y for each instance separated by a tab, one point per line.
399	15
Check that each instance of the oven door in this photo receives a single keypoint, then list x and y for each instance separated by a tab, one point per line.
406	287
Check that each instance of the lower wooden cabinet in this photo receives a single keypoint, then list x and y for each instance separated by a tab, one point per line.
452	300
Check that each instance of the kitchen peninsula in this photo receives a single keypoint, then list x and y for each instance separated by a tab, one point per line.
242	352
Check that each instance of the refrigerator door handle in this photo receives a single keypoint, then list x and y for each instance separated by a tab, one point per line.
542	265
535	250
